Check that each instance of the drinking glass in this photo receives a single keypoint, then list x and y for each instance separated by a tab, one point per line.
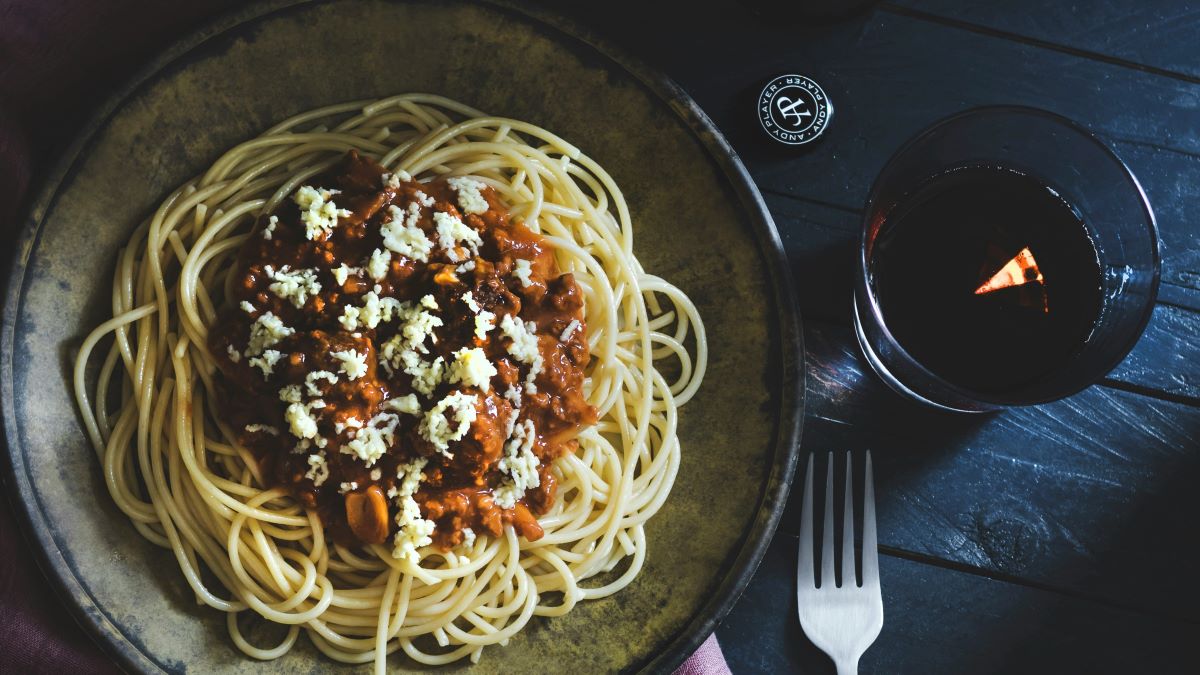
1089	176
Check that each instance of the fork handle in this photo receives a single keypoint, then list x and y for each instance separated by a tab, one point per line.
847	667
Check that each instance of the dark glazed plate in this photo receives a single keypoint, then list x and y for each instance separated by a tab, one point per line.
699	223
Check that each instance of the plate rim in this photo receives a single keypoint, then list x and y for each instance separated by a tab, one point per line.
54	562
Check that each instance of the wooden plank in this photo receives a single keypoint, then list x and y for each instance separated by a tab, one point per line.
944	621
890	76
821	243
1093	494
1159	34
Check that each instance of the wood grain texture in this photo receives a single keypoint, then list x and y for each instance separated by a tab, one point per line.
1092	494
946	621
1160	34
1083	505
821	243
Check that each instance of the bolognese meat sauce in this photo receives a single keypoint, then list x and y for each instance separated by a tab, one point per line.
403	358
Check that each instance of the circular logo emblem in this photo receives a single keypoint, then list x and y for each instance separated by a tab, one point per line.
794	110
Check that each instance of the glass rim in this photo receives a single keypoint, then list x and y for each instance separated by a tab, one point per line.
1079	131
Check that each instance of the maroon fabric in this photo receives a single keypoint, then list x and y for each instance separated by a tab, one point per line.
58	60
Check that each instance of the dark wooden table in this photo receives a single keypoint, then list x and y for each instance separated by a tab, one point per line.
1058	538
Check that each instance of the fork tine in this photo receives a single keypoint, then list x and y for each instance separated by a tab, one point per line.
804	569
827	580
870	564
848	527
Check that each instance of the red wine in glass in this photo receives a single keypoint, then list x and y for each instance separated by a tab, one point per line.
987	277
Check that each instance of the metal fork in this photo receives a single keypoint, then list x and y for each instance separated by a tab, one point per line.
841	620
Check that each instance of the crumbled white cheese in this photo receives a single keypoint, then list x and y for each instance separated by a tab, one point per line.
266	361
247	307
524	346
234	355
350	486
393	180
377	266
484	322
428	302
269	230
423	198
417	326
262	429
290	394
409	405
571	328
401	234
470	195
521	270
376	474
342	273
452	232
472	368
468	299
310	381
375	310
410	476
317	211
372	441
413	531
519	464
353	364
468	537
301	420
427	375
295	287
513	395
318	469
465	267
265	332
350	423
436	429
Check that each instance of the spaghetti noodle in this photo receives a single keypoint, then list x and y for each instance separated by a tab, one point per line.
192	482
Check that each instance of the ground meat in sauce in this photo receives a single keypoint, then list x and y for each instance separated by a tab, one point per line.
458	492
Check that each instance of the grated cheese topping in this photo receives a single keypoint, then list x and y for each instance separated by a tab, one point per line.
452	233
318	212
519	464
393	180
266	331
353	364
521	270
266	361
295	287
470	195
318	469
374	438
472	368
571	328
413	531
401	234
377	266
311	379
437	429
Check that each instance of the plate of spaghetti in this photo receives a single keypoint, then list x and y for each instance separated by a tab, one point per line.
465	342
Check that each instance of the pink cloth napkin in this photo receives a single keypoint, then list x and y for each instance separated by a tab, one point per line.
708	660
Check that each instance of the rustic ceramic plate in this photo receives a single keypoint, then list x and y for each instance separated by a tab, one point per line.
699	222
